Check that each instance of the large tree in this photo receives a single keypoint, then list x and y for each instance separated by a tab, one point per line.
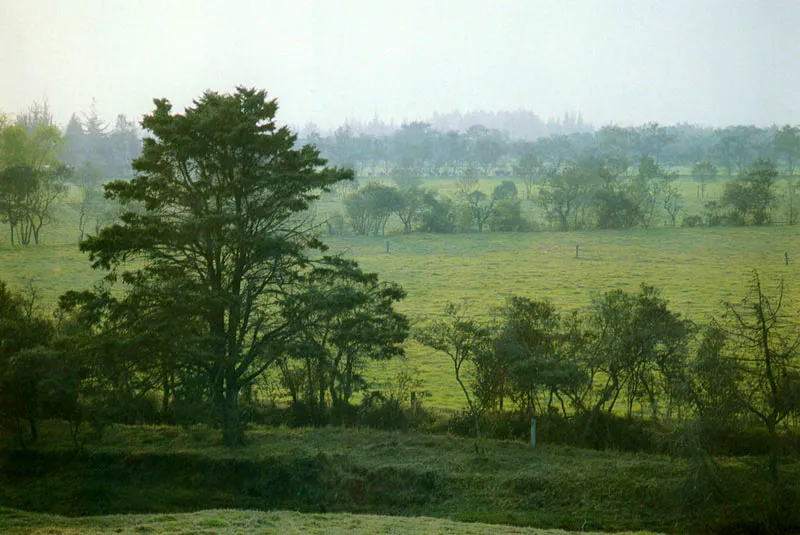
222	231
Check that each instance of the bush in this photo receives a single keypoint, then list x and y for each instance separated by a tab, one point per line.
602	432
380	412
692	221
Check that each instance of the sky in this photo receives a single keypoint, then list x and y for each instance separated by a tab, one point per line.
626	62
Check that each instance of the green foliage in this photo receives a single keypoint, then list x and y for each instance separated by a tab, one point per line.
637	351
39	377
412	206
617	209
340	319
439	215
31	179
464	340
534	354
787	146
506	215
750	197
563	194
370	208
529	169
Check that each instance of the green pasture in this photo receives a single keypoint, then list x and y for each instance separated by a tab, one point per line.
697	269
230	522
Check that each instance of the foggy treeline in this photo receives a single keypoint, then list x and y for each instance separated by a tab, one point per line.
429	150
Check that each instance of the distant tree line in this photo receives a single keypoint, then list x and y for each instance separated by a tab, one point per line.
432	152
588	193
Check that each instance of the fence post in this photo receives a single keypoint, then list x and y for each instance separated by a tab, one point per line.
533	433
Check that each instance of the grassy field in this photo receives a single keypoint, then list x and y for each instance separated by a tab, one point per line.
697	269
168	470
230	522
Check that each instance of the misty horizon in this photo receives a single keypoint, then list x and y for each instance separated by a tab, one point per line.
712	64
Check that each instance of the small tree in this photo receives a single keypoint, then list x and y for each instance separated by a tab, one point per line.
787	146
370	208
411	206
751	196
764	346
463	340
31	178
529	169
27	364
639	347
343	318
704	172
532	351
566	190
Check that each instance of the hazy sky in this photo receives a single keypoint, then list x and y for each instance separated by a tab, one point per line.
712	62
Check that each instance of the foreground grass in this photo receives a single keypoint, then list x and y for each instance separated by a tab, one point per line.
335	470
225	522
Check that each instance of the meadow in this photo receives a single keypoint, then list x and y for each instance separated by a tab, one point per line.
698	270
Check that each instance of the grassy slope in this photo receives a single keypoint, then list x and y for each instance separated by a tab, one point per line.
225	522
168	470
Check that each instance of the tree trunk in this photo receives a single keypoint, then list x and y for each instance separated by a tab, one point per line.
232	427
34	430
774	453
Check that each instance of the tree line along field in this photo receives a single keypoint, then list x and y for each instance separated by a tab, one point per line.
697	269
